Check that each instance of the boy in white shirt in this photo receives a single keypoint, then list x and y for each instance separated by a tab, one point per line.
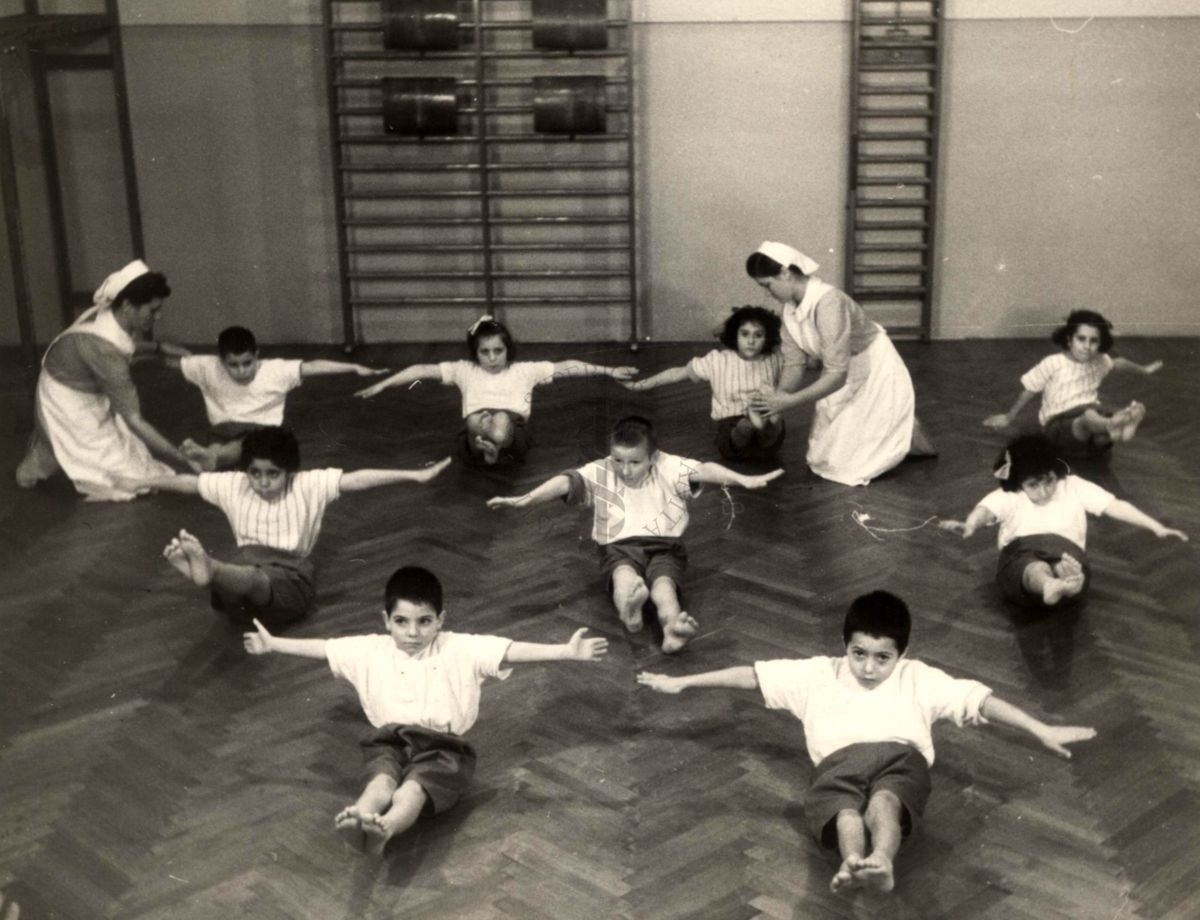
420	688
639	497
867	720
243	391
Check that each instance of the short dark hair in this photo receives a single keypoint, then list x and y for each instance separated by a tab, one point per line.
413	584
143	289
485	328
1062	335
880	614
759	266
770	322
236	340
1030	456
634	431
277	444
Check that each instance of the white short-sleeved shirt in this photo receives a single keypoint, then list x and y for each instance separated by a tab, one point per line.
656	508
290	523
510	389
734	379
1065	514
1066	383
438	688
837	711
259	402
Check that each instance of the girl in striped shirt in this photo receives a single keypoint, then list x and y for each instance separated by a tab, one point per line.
275	510
749	363
1071	415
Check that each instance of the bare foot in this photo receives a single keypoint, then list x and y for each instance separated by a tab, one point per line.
875	873
844	879
349	824
491	453
1069	571
173	553
631	611
1136	412
376	834
678	632
199	563
757	419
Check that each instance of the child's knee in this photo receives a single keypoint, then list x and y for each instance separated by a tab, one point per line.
626	581
664	590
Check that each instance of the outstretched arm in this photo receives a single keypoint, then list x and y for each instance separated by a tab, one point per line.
583	369
662	378
1123	511
1055	737
1005	419
576	648
556	487
359	480
1124	364
260	642
979	517
738	678
408	375
716	474
183	483
322	368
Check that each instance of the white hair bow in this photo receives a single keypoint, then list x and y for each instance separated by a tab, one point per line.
1004	470
486	318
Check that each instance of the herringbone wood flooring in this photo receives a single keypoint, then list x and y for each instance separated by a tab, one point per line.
151	769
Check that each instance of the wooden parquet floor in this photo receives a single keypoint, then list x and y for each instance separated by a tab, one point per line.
150	769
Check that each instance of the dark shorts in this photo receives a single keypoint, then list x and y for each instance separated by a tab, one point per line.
848	777
1023	552
650	557
442	763
1058	432
754	449
509	455
293	589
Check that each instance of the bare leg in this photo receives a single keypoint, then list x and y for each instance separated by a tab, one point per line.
678	628
1131	417
406	805
920	445
374	799
1040	579
852	843
882	819
1096	428
629	596
237	582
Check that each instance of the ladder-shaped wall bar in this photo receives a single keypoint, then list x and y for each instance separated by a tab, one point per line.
486	163
891	201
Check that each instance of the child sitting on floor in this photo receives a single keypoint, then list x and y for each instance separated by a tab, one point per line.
1071	415
420	689
749	363
867	719
275	511
243	391
1042	511
497	391
639	497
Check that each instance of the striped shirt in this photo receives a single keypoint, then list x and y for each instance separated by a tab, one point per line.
291	523
1066	383
734	379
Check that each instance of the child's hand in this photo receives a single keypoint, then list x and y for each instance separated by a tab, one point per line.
1171	532
624	373
373	390
660	682
1056	737
431	472
958	527
757	482
1153	367
257	643
581	649
996	421
516	501
362	371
